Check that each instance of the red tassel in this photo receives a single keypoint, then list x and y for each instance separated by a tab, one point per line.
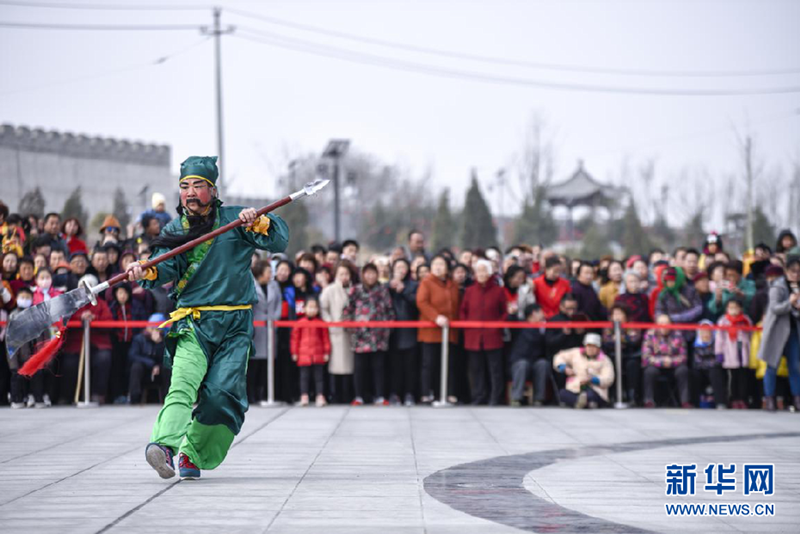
46	353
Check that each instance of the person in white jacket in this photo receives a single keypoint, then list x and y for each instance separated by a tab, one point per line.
589	374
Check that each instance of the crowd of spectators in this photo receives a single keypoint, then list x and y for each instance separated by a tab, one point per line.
738	367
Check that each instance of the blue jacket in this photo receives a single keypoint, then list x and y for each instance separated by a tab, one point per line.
145	351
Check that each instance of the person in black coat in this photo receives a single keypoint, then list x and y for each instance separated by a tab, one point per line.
528	359
586	296
403	341
145	357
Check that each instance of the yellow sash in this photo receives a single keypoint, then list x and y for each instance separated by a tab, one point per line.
180	313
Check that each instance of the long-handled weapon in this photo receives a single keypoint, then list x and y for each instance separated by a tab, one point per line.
32	322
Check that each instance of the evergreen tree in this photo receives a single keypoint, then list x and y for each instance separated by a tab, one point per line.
478	229
595	242
296	217
73	207
379	233
120	210
444	224
693	231
535	224
763	229
634	238
32	203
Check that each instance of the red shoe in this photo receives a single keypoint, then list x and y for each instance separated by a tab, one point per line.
187	468
358	401
687	405
649	404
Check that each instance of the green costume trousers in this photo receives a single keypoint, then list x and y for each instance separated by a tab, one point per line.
217	383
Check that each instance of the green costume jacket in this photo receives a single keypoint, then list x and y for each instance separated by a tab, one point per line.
216	273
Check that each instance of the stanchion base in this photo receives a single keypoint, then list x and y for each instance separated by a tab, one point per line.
442	404
271	404
621	405
87	405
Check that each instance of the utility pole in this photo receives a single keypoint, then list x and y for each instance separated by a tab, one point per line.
501	183
748	154
217	31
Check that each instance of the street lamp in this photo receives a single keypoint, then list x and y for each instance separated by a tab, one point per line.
335	150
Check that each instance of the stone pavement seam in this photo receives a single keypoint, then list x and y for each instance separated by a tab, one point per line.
137	508
82	436
172	485
260	428
311	465
66	477
420	489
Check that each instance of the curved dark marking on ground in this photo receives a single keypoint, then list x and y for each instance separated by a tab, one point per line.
494	490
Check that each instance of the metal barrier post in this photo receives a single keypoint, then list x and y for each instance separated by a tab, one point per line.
442	403
270	402
87	367
618	363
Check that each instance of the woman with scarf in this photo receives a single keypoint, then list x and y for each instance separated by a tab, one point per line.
678	300
733	352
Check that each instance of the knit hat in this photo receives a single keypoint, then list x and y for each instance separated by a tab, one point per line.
157	199
202	167
670	274
157	318
773	270
592	339
699	276
110	222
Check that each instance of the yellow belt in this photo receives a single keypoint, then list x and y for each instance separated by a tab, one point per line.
180	313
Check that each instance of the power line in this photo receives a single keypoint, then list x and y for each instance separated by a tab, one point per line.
158	61
309	47
106	7
100	27
505	61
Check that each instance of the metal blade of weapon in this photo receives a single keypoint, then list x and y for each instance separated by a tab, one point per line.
30	324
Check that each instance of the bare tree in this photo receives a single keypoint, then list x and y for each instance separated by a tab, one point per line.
535	163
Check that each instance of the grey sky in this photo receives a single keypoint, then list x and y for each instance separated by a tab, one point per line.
279	101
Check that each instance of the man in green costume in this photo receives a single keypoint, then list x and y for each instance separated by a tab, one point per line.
210	340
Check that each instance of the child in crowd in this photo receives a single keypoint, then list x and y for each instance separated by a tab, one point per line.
706	369
44	287
589	374
25	392
311	349
733	351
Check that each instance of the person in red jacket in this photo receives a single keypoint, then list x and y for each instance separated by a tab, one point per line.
485	300
311	349
550	288
100	346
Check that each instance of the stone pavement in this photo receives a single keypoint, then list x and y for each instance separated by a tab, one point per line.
386	470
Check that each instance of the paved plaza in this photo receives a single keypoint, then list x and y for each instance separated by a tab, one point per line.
395	470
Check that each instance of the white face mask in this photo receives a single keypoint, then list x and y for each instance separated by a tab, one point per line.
24	303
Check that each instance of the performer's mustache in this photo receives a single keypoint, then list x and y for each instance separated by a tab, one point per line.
201	205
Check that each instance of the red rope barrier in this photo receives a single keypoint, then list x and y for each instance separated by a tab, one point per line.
589	325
